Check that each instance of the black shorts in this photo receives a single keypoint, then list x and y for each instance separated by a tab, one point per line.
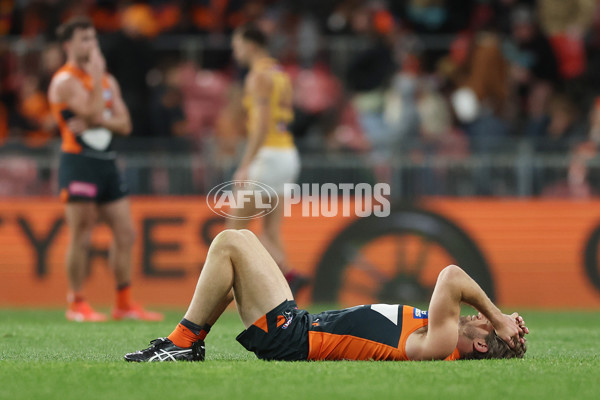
86	178
281	334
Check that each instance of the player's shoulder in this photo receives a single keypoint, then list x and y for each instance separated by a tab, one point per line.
261	80
68	77
112	81
62	76
257	85
61	84
259	74
110	77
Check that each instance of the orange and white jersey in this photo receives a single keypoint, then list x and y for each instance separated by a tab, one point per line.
371	332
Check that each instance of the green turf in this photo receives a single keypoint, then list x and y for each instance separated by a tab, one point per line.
42	356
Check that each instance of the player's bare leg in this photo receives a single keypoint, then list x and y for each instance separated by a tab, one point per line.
237	259
81	218
117	215
230	296
241	223
220	309
237	264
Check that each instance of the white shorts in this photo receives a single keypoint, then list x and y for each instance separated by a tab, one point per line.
275	167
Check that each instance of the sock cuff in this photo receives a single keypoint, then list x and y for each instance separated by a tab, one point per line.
204	332
123	286
191	326
75	297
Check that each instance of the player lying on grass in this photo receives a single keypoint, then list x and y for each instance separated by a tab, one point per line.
238	266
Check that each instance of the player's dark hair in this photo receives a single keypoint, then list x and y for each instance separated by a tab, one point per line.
65	32
497	348
252	33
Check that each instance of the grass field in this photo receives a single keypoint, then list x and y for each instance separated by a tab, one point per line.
42	356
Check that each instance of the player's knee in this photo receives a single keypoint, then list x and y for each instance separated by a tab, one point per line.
228	239
246	232
450	271
81	238
82	241
125	236
82	228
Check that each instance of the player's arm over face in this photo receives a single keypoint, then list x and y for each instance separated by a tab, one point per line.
452	288
85	105
88	106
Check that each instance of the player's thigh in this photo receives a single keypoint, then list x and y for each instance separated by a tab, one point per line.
81	216
259	285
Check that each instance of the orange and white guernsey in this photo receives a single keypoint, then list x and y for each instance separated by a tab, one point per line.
280	104
96	139
372	332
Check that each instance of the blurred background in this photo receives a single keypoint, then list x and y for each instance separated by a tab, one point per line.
463	99
438	97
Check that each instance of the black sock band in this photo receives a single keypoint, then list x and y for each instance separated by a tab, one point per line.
191	326
123	286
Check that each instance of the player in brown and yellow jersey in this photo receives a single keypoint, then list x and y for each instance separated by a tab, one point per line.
86	102
270	156
238	266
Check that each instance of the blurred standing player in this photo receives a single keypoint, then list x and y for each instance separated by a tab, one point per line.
87	104
270	156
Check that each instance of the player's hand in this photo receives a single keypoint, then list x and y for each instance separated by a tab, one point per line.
96	65
521	323
509	330
77	125
241	174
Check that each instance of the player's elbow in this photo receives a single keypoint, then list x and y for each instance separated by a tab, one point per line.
125	128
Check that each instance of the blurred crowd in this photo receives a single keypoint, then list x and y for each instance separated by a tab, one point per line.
421	78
